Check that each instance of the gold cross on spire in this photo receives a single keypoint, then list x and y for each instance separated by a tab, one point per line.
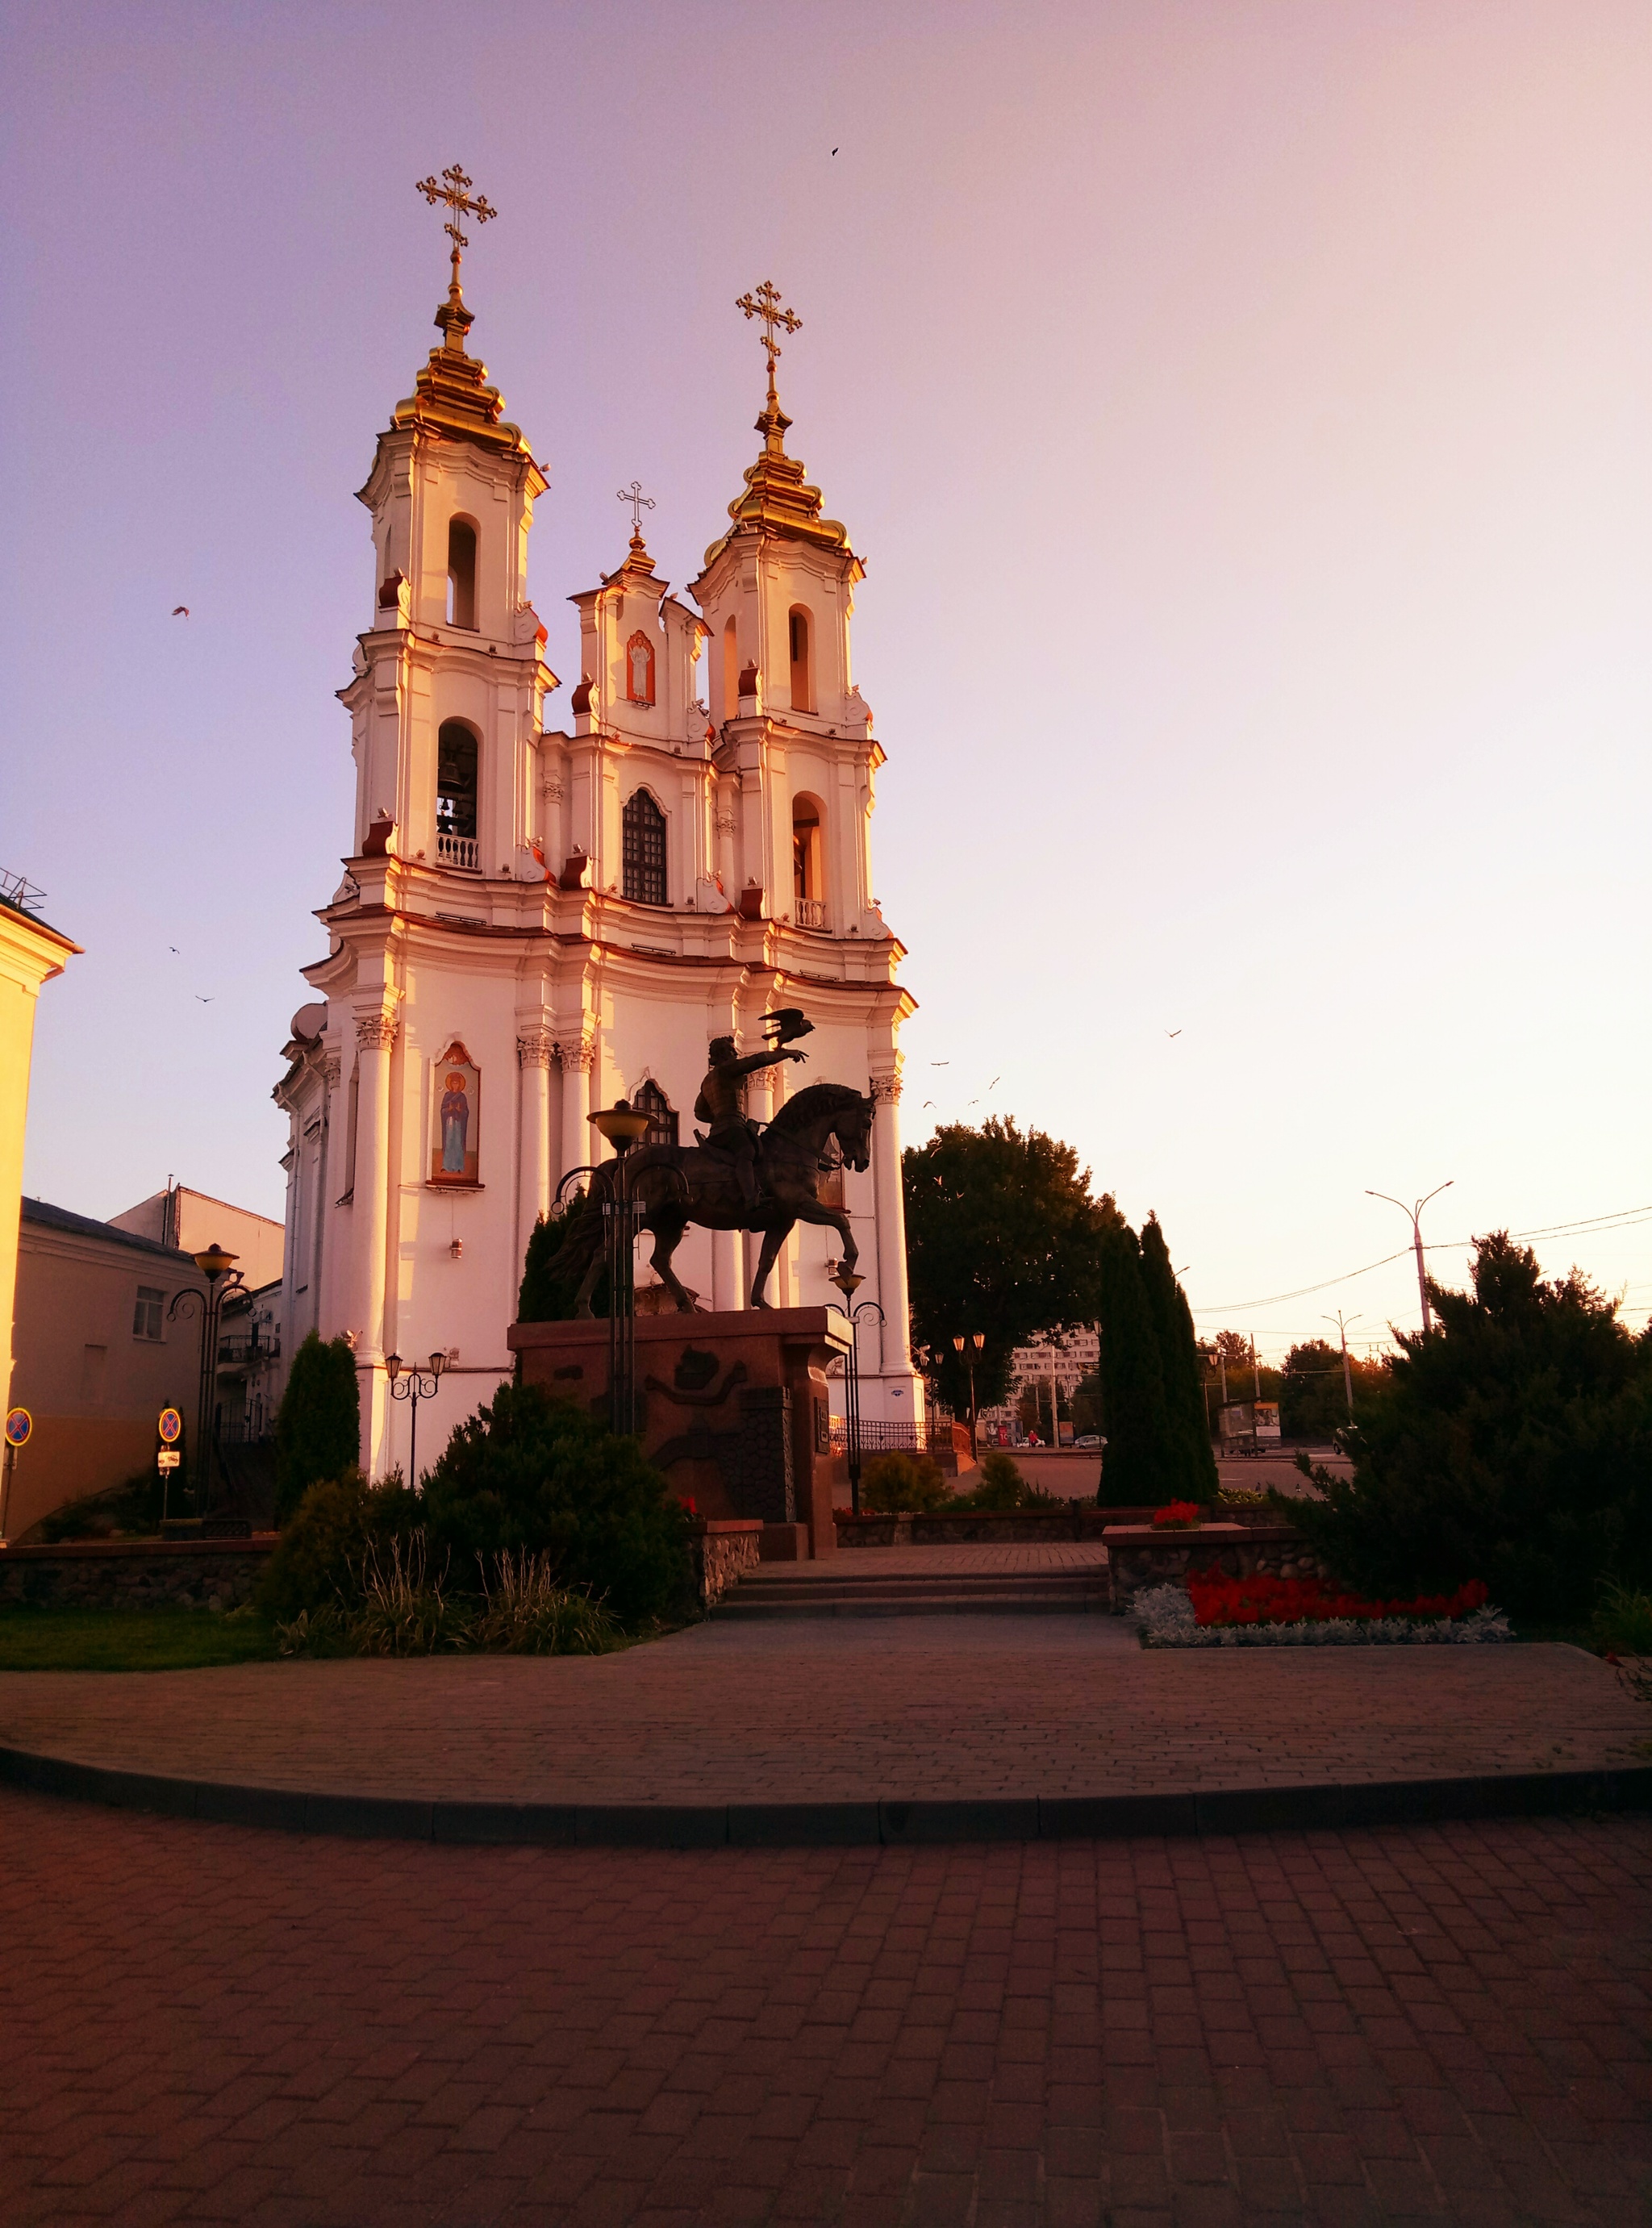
454	189
765	302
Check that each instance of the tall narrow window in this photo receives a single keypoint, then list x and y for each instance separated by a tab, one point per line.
644	832
808	866
146	1315
461	572
456	823
802	684
649	1098
731	671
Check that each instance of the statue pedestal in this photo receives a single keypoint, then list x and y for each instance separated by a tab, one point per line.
732	1407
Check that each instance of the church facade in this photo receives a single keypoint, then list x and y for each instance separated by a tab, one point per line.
536	919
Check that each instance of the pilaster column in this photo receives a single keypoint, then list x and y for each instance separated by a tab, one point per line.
332	1159
375	1035
534	1050
576	1056
894	1337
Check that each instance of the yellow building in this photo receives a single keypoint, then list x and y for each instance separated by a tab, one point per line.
30	954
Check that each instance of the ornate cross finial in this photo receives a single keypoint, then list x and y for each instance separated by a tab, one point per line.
765	302
454	189
639	502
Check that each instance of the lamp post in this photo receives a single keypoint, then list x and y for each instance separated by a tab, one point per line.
847	1283
218	1266
410	1383
971	1349
623	1125
1416	1213
1341	1323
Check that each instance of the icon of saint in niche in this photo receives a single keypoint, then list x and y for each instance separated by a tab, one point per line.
639	670
455	1123
456	1116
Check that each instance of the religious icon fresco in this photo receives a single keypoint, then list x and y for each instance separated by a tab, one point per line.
639	668
456	1117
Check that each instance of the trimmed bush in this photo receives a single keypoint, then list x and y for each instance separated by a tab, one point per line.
1001	1483
528	1474
900	1483
318	1426
336	1526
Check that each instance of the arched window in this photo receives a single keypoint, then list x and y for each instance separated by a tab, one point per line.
808	864
456	756
461	572
639	668
649	1098
644	831
803	679
731	671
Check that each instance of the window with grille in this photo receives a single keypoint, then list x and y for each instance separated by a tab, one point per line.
649	1098
644	826
146	1315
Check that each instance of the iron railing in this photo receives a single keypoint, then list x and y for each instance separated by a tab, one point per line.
932	1436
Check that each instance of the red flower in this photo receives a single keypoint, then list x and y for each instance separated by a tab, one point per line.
1218	1599
1177	1516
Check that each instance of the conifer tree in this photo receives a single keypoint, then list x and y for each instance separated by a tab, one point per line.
1183	1380
1138	1464
544	1297
318	1425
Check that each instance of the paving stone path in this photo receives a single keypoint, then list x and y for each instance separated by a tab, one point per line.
851	1710
207	2023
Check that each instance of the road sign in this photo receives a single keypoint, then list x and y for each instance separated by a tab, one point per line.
19	1423
169	1458
170	1426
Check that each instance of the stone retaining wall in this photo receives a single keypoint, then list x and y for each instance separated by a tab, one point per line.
135	1573
1139	1557
725	1548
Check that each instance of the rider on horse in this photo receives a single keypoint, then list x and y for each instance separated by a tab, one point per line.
720	1103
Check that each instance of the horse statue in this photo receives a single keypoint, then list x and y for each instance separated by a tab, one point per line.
671	1185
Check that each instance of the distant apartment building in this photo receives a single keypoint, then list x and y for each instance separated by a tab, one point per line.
1066	1357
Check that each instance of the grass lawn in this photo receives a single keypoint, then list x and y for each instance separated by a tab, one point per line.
131	1640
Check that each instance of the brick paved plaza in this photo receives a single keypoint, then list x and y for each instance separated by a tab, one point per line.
849	1711
209	2023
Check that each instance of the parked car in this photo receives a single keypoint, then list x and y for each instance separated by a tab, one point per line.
1088	1439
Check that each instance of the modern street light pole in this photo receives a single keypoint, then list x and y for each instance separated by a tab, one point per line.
1343	1332
847	1283
1416	1213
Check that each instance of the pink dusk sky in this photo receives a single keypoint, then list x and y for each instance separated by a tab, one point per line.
1242	411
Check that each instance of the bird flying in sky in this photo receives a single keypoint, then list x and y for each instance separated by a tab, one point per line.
1173	1032
180	611
200	1000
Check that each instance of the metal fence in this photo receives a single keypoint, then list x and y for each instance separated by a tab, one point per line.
932	1436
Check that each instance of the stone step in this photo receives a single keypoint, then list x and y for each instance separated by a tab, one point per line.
809	1603
917	1587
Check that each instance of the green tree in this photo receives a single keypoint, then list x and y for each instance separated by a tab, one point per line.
546	1295
1514	1444
1179	1370
318	1425
1003	1236
1140	1462
1313	1400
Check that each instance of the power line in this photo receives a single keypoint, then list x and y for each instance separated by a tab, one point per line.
1623	1218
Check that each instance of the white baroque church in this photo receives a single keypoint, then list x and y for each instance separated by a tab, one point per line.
536	921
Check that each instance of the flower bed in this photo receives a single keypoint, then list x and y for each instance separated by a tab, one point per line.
1177	1516
1216	1609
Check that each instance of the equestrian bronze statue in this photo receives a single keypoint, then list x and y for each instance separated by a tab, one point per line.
741	1175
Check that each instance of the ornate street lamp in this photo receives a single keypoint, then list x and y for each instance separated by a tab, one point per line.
218	1266
624	1125
847	1283
410	1383
971	1348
